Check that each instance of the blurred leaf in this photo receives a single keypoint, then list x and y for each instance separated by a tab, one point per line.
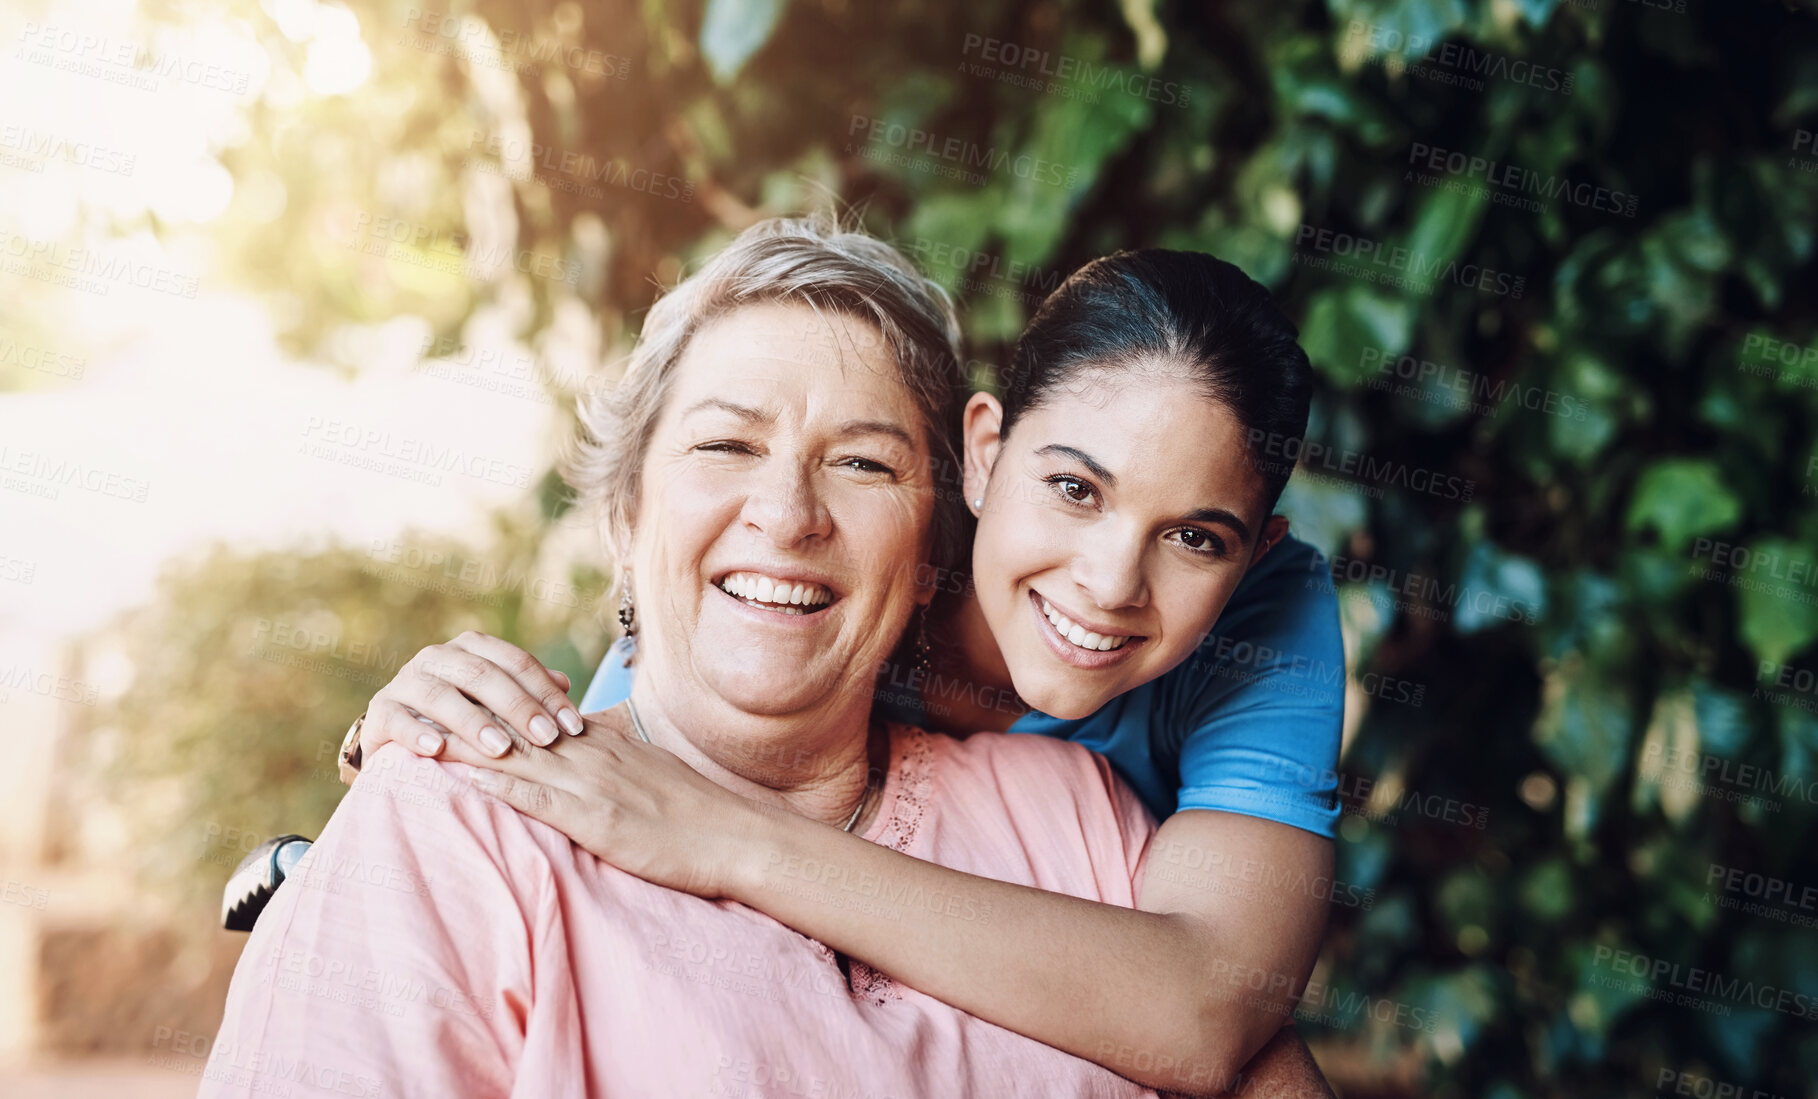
1586	722
1499	587
1546	890
1682	498
1779	616
1343	322
733	30
1151	39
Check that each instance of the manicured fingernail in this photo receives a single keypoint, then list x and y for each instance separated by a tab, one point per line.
486	780
571	720
495	742
542	730
430	743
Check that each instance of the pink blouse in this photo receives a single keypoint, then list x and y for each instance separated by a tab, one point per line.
435	942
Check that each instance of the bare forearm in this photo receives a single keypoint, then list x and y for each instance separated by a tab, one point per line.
1284	1069
1125	989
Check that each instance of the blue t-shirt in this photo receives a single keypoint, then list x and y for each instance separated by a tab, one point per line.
1249	723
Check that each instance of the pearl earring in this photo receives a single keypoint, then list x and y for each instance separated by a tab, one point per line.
978	504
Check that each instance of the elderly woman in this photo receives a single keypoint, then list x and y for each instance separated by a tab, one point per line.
783	418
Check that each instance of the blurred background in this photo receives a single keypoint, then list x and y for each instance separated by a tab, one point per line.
295	299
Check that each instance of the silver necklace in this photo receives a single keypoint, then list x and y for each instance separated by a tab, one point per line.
637	723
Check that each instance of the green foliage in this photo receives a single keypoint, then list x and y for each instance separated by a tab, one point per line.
247	671
1596	381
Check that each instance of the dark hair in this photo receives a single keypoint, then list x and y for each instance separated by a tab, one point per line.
1174	309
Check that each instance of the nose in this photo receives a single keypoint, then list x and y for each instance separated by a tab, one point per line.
785	504
1109	568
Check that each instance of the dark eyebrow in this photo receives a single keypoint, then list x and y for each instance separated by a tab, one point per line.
877	427
1220	515
1084	459
743	412
1200	515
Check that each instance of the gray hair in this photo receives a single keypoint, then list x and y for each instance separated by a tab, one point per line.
814	262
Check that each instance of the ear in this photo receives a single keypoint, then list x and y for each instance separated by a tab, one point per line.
1274	530
981	438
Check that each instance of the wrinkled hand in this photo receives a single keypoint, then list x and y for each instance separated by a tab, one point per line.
476	688
635	805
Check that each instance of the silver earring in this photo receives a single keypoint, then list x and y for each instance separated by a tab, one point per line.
628	614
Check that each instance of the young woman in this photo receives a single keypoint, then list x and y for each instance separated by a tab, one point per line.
1124	490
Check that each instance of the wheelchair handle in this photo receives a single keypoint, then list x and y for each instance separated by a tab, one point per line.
257	877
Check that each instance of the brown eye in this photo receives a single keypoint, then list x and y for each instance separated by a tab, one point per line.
1200	541
1075	491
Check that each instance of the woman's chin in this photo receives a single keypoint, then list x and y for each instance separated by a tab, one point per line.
1063	701
767	686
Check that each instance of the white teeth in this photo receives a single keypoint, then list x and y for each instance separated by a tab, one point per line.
1078	634
773	594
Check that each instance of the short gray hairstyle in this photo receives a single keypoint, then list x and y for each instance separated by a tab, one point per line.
815	262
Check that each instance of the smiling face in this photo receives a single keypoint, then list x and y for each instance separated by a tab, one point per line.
786	506
1119	516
